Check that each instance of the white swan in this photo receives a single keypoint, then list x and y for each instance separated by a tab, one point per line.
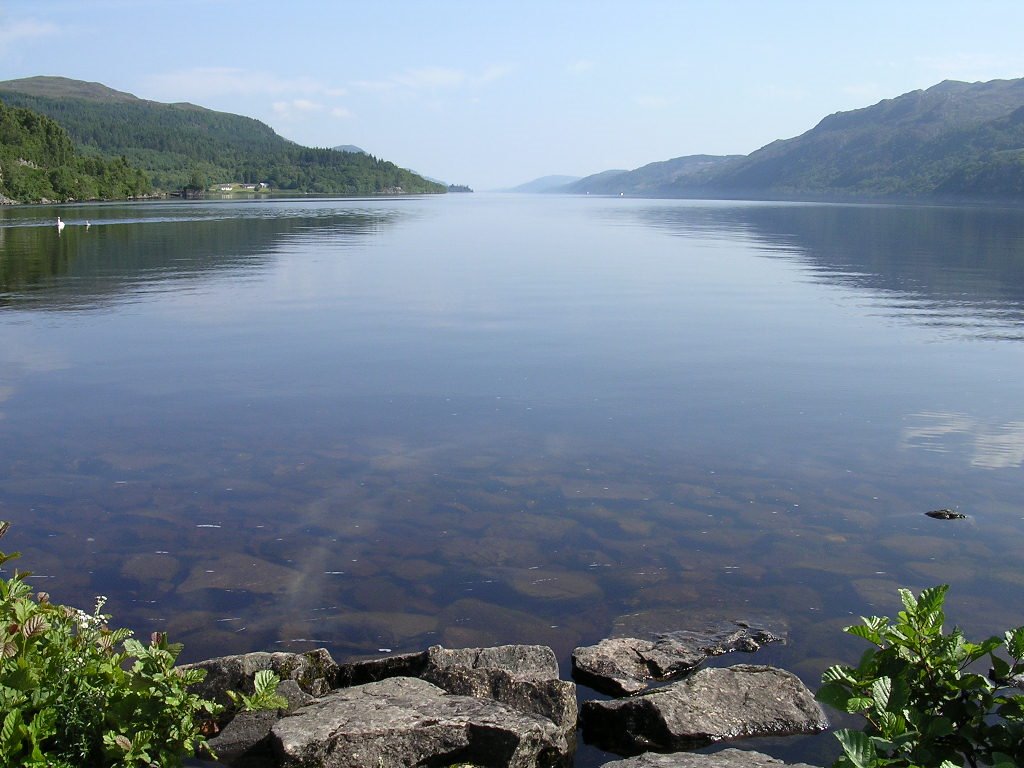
87	224
60	224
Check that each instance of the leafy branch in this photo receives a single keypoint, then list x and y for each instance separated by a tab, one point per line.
922	704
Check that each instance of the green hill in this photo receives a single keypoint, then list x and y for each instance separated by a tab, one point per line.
952	141
38	162
176	142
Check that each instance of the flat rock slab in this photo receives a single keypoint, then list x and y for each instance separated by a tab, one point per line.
710	705
405	721
727	758
625	666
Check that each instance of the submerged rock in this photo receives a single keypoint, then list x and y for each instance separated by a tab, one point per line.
727	758
625	666
405	721
710	705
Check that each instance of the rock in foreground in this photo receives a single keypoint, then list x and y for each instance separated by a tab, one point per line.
710	705
405	721
523	676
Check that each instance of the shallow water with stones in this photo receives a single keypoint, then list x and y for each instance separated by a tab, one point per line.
482	419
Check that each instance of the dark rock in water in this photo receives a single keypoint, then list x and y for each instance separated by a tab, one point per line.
710	705
314	672
372	670
946	514
727	758
624	666
405	721
523	676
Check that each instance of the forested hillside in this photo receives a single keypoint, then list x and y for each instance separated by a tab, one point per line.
174	142
38	162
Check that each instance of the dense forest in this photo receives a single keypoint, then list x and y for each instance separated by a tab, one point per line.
38	162
176	143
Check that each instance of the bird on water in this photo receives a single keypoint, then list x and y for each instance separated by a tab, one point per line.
60	224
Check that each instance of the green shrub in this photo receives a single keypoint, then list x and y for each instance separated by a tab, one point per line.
923	704
74	692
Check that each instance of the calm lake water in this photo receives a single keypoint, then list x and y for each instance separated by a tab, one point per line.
474	419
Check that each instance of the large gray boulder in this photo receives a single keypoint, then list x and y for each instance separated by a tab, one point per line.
523	676
709	705
314	672
405	721
625	666
727	758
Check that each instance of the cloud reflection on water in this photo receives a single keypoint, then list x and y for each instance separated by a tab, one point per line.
988	445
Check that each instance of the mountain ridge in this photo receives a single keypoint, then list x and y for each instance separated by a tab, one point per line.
953	140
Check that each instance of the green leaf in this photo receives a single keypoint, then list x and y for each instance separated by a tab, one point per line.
881	690
857	704
834	694
265	681
866	632
909	601
1015	643
857	747
837	674
10	732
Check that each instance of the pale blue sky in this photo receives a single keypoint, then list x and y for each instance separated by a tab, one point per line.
493	93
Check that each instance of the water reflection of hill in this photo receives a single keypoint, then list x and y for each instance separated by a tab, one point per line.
107	263
956	268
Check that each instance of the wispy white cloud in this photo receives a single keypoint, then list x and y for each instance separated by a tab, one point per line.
431	78
434	79
341	113
26	29
296	108
206	82
580	66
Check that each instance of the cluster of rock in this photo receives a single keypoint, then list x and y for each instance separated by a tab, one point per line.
507	706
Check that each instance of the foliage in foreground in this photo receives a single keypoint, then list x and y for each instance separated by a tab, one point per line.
74	692
923	704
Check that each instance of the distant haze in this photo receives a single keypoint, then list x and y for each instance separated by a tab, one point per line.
495	94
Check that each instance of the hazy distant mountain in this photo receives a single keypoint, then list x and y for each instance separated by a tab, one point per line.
953	140
653	178
350	148
545	184
175	144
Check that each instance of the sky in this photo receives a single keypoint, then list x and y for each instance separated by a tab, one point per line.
493	94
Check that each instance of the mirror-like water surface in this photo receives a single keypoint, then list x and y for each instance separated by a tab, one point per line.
490	419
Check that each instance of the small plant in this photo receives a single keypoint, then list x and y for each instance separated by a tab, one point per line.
923	704
265	695
75	692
